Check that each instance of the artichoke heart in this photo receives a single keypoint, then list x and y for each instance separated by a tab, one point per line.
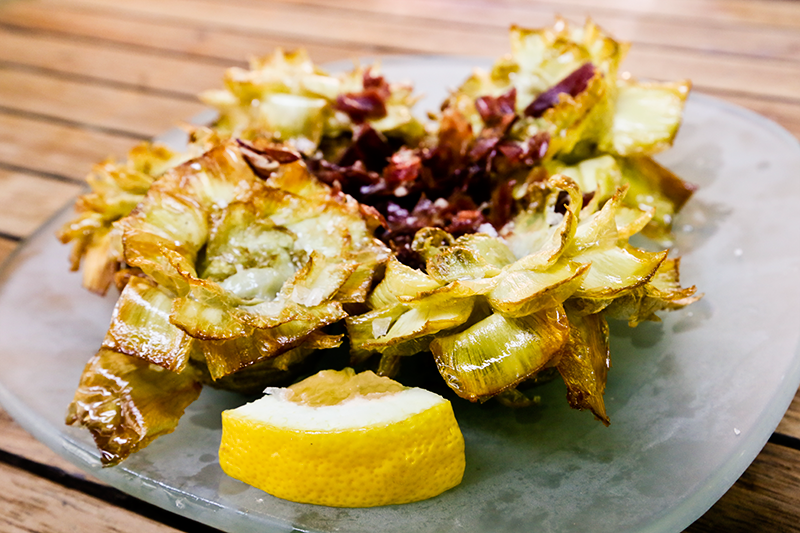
237	260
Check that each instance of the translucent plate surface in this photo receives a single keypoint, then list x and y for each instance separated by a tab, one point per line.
692	400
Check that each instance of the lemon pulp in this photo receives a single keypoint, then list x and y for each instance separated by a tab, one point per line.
345	440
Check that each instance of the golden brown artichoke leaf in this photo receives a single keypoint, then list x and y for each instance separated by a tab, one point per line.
472	256
646	117
662	292
523	292
499	352
617	270
116	188
653	185
539	236
400	280
405	322
584	363
126	403
141	327
225	357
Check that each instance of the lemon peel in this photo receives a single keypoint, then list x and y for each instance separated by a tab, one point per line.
379	443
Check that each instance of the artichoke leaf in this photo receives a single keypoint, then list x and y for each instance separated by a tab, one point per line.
662	292
428	315
499	352
224	357
126	402
534	239
141	327
654	186
617	270
205	321
646	117
523	292
400	280
584	363
470	257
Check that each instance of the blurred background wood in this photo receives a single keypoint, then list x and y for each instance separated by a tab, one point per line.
82	80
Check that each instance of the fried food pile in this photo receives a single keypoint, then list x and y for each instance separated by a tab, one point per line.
493	238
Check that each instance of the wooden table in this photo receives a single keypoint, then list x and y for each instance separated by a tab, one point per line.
84	79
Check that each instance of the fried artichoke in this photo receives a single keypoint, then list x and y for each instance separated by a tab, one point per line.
495	237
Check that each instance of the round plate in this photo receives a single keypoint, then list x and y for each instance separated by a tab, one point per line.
692	400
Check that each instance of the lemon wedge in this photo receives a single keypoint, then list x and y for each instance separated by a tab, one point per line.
345	440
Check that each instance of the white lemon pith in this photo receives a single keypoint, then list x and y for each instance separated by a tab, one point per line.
345	440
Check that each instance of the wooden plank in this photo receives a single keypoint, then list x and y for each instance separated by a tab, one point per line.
30	503
55	148
6	247
642	30
787	114
26	201
14	439
765	499
775	78
790	425
104	107
742	12
92	62
60	23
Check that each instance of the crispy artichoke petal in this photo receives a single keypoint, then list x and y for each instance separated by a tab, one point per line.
584	363
532	237
400	280
126	403
662	292
472	256
523	292
225	357
652	185
646	117
141	327
617	270
499	352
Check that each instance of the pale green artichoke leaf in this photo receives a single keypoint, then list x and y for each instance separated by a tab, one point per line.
616	270
584	363
598	231
539	237
499	352
141	327
470	257
206	321
646	117
126	403
662	292
429	242
294	119
632	220
318	280
367	327
430	314
652	186
524	292
580	119
600	176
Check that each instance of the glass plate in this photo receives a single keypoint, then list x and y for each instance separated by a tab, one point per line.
692	400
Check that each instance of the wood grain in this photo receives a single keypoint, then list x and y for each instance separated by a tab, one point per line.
29	503
108	108
765	499
27	201
56	148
